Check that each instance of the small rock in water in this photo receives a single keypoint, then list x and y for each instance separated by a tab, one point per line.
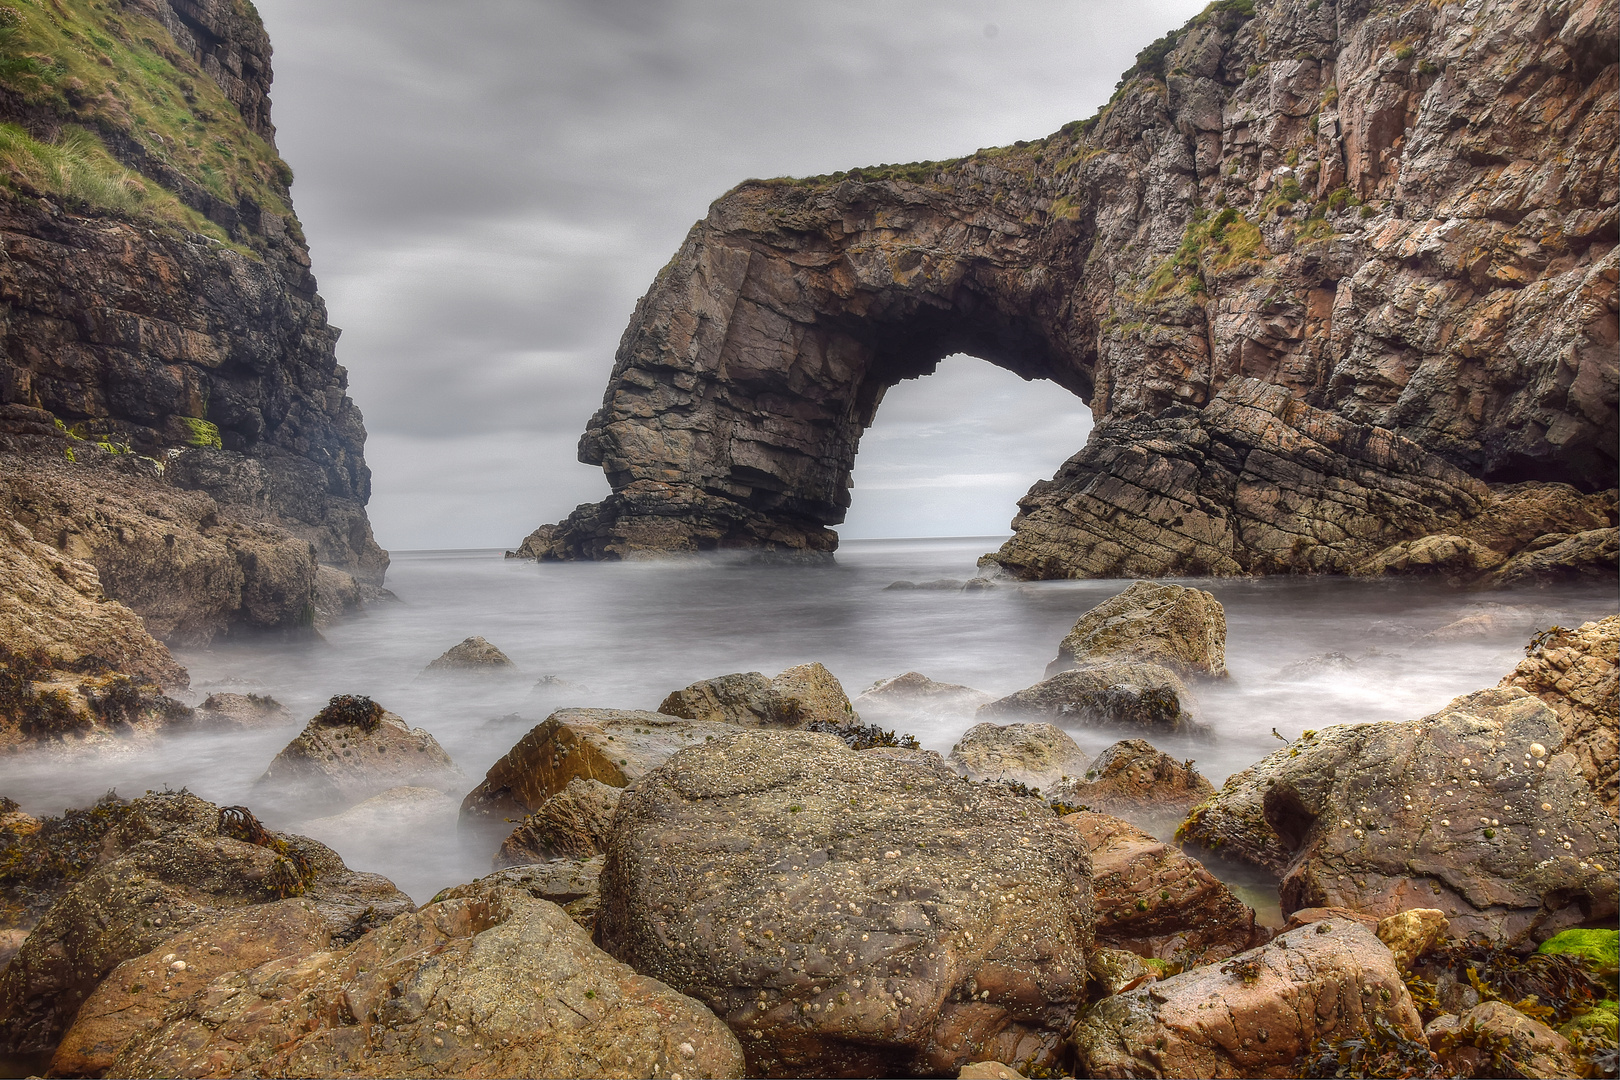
473	654
1313	666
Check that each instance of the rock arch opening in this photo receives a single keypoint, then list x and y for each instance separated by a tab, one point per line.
952	453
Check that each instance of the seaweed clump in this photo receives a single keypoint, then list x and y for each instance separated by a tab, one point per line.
863	736
1380	1050
354	710
291	873
36	867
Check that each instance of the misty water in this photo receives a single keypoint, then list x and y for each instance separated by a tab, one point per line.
625	634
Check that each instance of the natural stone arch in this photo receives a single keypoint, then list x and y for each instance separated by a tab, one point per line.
750	371
1291	238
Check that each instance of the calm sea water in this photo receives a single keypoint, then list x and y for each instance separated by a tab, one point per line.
626	634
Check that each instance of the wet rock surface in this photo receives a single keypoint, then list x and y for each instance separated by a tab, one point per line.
1122	693
350	751
1478	811
1133	779
140	992
572	824
1255	1015
1154	901
572	884
1169	625
168	866
1039	756
1532	1048
1574	672
850	914
612	746
801	695
513	988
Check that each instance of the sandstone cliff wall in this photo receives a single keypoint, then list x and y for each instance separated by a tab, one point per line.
156	301
1401	214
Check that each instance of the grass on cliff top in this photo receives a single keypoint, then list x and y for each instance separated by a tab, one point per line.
78	171
119	73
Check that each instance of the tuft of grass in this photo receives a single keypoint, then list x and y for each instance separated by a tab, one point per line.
77	170
117	73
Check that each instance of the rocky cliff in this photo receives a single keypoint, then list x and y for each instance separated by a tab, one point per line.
1402	215
171	408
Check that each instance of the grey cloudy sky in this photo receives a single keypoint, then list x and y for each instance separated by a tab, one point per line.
488	187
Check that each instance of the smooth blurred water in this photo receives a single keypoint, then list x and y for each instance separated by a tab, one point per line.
632	632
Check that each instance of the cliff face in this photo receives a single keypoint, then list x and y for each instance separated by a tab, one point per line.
1401	215
156	306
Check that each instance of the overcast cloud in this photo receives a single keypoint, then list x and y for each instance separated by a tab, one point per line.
488	187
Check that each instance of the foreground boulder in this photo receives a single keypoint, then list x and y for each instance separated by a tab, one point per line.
140	992
351	750
1154	901
1125	693
173	862
1134	780
572	824
849	914
473	654
1179	628
1476	811
611	746
487	981
1255	1015
1039	756
1574	672
800	696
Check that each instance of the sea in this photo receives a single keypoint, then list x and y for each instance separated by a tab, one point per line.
623	635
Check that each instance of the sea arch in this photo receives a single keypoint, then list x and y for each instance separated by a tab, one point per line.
763	350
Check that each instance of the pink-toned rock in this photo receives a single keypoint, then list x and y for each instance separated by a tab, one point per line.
1253	1016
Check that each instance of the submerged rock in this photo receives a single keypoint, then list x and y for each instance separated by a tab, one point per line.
486	982
1122	693
1574	672
612	746
473	654
1312	667
916	690
1176	627
848	914
802	695
351	750
1039	756
242	710
396	814
572	824
1155	901
172	862
1256	1015
1478	811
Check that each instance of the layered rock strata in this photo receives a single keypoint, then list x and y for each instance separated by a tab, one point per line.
1399	216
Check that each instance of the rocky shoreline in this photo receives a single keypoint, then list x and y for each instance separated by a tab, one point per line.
756	881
